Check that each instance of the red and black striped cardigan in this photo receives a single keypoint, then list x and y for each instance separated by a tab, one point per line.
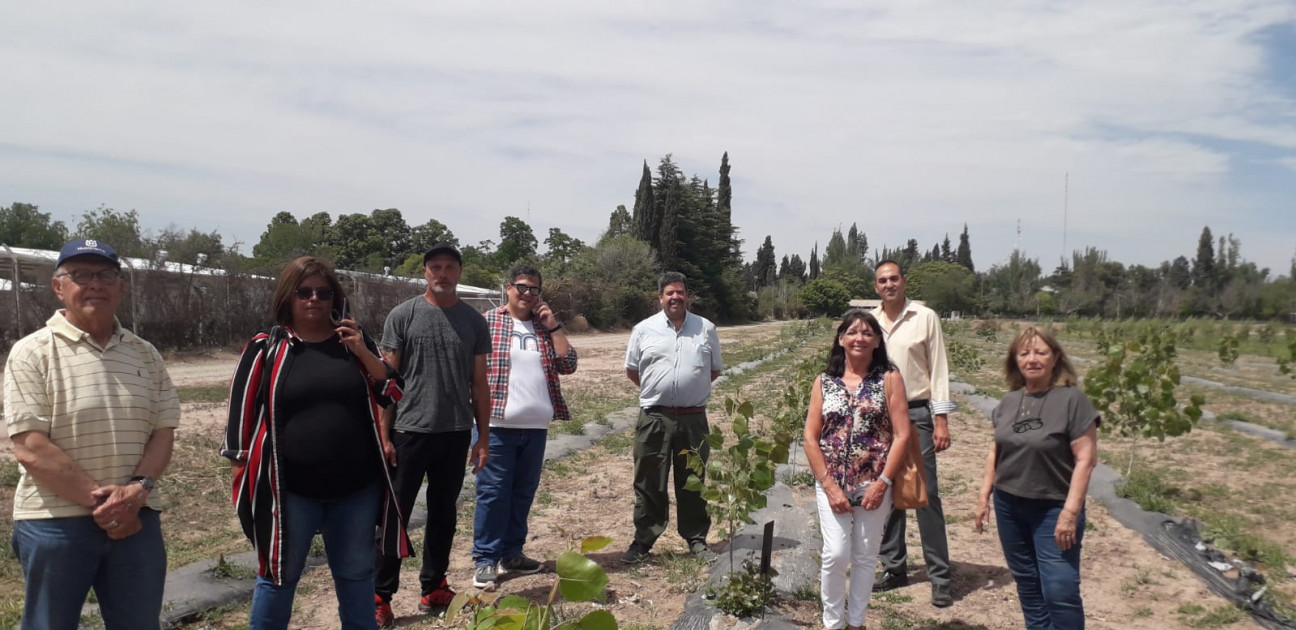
251	436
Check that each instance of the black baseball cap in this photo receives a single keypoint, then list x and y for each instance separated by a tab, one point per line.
443	248
87	247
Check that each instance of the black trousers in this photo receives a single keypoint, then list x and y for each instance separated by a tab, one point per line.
442	458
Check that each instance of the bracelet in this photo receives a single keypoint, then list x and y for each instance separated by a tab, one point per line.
884	479
555	329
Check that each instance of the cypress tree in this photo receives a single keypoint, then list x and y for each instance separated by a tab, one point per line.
724	191
814	261
964	256
1203	269
647	221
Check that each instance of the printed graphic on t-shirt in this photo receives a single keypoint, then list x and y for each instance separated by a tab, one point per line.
524	339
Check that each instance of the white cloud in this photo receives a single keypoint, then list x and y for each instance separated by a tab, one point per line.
907	118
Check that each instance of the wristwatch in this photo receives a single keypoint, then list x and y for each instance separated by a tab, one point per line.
146	482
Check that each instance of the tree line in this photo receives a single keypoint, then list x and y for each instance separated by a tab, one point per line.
682	223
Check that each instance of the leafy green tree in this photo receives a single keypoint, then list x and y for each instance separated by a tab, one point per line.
735	478
423	237
391	237
826	297
24	225
856	286
619	223
481	266
945	287
1011	287
764	270
517	241
1178	273
121	230
837	256
353	239
563	249
792	269
1134	387
286	239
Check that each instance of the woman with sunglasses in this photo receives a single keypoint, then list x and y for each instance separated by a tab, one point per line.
856	432
305	451
1044	451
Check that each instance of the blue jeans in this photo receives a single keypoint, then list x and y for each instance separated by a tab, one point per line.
1048	579
505	489
348	525
62	558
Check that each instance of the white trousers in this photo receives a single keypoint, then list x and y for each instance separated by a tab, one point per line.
850	541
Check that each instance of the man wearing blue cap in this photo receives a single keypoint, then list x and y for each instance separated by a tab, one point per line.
92	413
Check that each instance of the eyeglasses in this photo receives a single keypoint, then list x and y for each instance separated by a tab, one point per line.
322	293
83	277
526	288
1027	424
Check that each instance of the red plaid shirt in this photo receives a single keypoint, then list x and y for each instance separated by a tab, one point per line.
500	323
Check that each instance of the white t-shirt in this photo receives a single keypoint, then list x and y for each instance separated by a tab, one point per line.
528	405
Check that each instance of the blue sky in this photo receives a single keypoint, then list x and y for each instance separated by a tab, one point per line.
909	119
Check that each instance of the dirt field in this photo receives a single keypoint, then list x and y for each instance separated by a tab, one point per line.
1126	584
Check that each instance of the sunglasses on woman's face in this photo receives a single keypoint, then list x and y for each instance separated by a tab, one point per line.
322	293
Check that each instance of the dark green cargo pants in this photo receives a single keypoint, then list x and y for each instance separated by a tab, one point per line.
659	439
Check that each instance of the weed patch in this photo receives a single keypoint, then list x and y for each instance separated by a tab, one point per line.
203	394
1197	616
1151	489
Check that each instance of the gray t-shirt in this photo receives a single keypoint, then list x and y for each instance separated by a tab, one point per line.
438	347
1033	433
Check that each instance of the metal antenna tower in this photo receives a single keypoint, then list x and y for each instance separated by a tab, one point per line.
1066	200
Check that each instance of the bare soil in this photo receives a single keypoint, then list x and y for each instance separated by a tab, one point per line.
1125	583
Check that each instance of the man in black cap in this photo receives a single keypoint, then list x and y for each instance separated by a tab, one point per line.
440	344
92	414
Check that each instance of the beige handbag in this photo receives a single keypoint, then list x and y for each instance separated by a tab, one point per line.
909	488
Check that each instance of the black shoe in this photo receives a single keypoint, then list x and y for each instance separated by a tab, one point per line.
635	554
699	548
941	596
888	581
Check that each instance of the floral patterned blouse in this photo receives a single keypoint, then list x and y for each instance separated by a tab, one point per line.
856	435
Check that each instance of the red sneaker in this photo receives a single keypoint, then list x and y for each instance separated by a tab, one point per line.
438	600
383	615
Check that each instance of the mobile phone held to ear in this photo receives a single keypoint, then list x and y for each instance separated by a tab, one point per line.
339	314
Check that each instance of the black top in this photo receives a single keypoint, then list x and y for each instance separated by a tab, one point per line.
327	439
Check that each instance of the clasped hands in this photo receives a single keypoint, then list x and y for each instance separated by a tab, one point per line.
840	504
117	509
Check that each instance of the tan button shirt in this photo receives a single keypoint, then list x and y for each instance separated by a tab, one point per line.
915	344
97	404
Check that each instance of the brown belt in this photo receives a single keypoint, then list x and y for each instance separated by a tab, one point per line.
677	411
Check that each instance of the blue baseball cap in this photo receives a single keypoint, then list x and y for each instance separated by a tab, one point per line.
87	247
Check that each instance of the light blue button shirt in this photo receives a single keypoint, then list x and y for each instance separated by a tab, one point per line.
674	367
